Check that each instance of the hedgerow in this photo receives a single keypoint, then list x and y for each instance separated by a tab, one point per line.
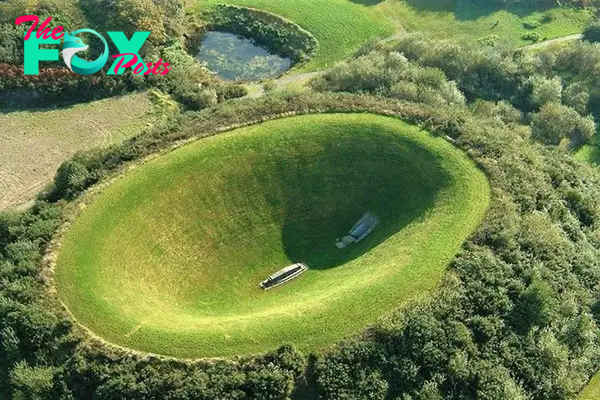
188	81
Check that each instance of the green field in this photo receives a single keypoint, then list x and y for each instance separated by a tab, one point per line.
169	257
35	143
462	20
592	390
343	26
589	153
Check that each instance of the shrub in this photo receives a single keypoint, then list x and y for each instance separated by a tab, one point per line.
71	178
490	40
532	36
555	122
227	91
391	75
269	86
531	24
592	33
576	95
544	90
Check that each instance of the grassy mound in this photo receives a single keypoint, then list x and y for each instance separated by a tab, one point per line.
168	258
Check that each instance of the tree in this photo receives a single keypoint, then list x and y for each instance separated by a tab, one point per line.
534	307
142	15
32	383
555	122
576	95
592	32
70	179
544	90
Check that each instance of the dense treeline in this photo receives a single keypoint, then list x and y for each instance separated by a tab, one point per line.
555	92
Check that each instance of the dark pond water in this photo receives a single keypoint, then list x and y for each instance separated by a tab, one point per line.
235	58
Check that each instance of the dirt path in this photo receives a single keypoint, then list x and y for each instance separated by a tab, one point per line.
256	89
540	45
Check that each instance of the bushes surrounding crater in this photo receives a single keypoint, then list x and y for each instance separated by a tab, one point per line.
517	316
521	295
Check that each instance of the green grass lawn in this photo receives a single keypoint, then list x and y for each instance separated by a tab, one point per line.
168	258
592	390
589	153
461	20
342	26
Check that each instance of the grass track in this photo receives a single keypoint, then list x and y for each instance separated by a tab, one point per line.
168	258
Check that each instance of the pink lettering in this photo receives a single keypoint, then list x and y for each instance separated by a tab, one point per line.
131	63
56	31
43	30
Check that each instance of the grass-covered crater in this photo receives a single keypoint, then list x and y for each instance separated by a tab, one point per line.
169	257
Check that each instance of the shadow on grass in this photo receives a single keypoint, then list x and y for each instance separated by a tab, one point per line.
396	179
367	2
27	100
469	10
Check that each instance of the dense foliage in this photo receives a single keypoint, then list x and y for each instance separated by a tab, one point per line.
65	13
522	294
188	81
535	83
517	316
592	33
391	75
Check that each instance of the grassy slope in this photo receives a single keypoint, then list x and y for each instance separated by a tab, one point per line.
589	153
592	390
35	143
342	26
463	21
168	258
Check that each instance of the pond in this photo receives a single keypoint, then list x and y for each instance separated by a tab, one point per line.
234	58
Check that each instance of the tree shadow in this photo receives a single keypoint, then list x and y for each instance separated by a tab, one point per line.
469	10
366	2
338	184
28	101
